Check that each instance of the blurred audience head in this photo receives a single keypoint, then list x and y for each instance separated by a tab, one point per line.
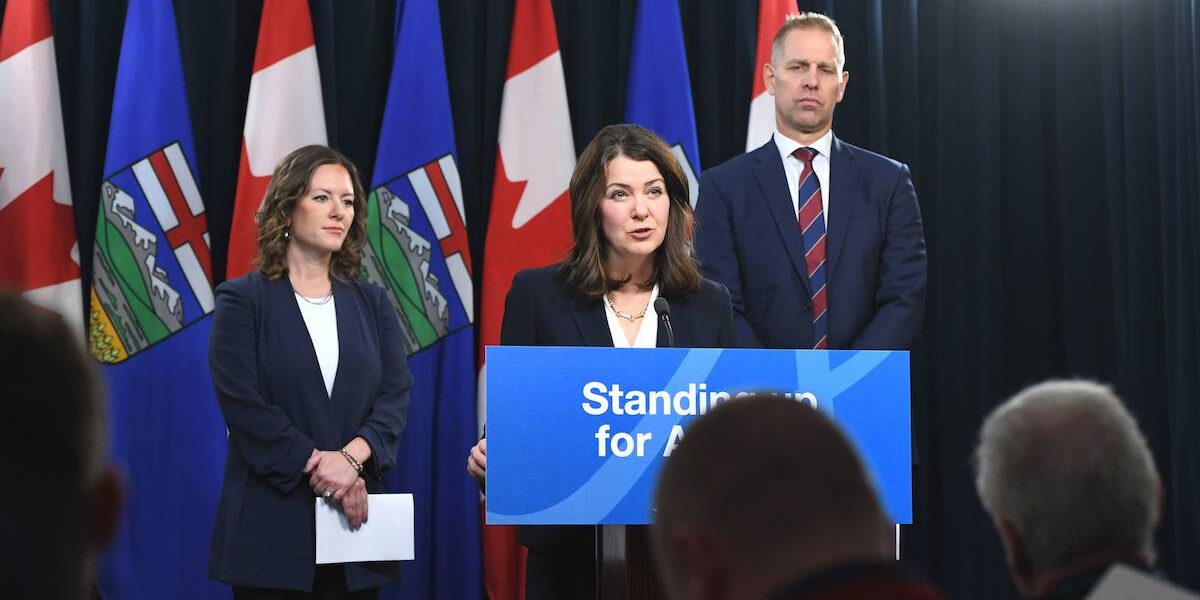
64	498
763	491
1069	482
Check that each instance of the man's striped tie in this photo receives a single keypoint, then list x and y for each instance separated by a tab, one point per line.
812	227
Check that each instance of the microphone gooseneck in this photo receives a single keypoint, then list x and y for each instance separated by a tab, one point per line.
663	308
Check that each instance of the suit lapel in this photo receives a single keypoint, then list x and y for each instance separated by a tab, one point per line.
284	298
846	190
772	179
343	299
590	319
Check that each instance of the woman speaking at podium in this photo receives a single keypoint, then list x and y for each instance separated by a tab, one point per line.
631	222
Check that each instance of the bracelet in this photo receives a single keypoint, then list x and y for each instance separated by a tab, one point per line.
354	463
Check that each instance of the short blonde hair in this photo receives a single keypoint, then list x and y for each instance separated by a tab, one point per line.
809	20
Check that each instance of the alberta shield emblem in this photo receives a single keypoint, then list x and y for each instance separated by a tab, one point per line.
152	263
417	250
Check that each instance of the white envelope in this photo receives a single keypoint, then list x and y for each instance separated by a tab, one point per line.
387	534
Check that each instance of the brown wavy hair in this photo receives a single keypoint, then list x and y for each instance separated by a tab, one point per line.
583	270
289	183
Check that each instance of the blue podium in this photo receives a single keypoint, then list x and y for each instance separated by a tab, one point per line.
578	435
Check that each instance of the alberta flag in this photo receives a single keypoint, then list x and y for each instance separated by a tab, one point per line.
149	323
417	250
659	62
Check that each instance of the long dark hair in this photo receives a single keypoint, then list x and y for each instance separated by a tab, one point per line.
584	270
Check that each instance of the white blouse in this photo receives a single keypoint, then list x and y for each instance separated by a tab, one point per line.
321	320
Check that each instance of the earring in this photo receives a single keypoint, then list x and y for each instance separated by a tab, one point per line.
287	234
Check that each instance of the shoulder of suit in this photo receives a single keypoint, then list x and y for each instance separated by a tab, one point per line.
709	294
369	289
248	285
713	291
869	158
366	287
538	277
740	162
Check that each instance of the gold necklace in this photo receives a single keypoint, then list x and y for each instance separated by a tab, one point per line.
622	314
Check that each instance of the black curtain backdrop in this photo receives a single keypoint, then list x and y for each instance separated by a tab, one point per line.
1055	148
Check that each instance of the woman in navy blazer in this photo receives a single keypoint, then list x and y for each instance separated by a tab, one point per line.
631	222
310	372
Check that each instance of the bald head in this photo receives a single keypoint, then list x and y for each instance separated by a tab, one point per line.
769	489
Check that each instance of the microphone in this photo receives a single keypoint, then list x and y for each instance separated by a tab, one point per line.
663	308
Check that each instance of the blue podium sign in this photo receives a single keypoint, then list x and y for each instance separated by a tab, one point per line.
578	435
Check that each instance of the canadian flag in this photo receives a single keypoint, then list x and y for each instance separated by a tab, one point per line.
771	14
284	112
38	252
530	221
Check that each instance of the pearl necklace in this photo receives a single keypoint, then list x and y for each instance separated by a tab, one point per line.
622	314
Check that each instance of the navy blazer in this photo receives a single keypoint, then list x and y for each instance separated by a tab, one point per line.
747	238
540	310
273	397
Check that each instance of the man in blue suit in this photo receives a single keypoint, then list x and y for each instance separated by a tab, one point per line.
819	242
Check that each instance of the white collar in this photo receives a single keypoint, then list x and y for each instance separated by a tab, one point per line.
787	145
